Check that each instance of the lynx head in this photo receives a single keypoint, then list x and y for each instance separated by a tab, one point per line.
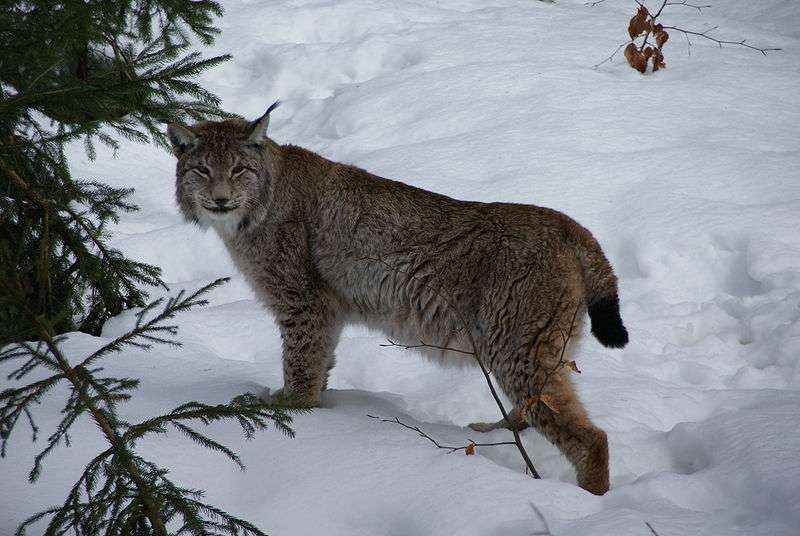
223	169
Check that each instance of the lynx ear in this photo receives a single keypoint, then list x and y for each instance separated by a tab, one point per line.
182	138
260	125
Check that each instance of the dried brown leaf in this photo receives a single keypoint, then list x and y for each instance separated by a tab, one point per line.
638	23
544	399
547	401
470	450
635	58
661	36
658	60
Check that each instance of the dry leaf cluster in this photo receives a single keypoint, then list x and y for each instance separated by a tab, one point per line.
639	57
644	25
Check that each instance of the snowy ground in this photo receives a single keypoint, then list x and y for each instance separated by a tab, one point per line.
690	178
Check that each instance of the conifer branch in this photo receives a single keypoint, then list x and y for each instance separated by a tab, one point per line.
145	493
126	75
119	486
123	75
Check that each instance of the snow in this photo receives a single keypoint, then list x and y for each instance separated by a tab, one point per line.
688	177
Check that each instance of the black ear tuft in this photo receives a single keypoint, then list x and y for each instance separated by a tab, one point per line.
258	132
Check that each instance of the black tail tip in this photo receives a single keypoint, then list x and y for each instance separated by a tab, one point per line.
607	325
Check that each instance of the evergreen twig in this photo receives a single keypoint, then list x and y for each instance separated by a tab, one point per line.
85	71
119	490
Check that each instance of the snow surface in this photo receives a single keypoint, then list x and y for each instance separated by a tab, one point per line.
689	177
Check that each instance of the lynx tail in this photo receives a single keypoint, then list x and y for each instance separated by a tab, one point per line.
607	324
602	297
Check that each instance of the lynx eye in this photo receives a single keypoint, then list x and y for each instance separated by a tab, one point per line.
237	169
202	170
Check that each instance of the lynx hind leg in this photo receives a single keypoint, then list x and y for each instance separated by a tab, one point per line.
559	414
565	423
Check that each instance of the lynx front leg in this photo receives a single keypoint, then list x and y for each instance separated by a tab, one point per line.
309	332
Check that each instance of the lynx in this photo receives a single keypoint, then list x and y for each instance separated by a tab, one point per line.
323	244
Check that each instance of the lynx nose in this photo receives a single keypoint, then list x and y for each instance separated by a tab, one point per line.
220	193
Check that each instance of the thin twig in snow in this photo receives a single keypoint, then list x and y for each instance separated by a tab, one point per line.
687	4
471	445
720	42
478	359
546	531
649	526
611	57
425	345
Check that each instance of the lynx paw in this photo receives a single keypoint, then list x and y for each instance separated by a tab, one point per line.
289	399
593	476
484	427
501	424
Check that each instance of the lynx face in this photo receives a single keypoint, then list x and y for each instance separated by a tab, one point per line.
221	187
223	170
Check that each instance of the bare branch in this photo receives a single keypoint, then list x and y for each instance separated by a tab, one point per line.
647	24
663	5
720	42
688	45
611	57
471	445
478	358
687	4
546	531
425	345
540	395
565	338
649	526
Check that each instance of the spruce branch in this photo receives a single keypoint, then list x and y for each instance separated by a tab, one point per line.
144	491
63	79
119	492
